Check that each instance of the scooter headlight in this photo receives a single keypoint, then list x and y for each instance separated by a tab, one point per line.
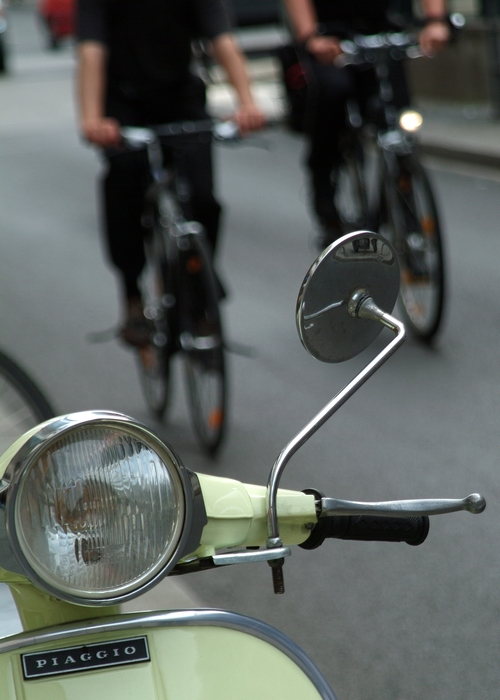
97	508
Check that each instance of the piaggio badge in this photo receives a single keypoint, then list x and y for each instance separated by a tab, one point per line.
85	658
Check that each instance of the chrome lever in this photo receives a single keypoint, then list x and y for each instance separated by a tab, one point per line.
475	503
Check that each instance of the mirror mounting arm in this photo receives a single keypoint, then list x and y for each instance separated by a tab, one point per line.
360	305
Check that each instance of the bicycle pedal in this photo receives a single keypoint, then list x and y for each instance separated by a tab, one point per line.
191	342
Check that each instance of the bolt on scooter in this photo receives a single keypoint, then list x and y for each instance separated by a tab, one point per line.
96	509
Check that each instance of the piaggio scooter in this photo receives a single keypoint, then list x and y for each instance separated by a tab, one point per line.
96	510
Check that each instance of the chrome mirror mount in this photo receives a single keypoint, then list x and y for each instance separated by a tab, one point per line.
337	318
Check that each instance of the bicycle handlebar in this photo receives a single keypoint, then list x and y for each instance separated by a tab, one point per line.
361	48
142	136
221	130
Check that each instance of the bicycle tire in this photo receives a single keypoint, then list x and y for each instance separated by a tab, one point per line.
22	404
3	55
153	360
350	197
414	229
203	345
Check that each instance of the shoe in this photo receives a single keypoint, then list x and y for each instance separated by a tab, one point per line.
137	330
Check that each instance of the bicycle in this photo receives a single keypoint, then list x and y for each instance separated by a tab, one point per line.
180	289
22	404
382	185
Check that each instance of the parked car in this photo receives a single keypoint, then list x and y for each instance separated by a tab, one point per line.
58	19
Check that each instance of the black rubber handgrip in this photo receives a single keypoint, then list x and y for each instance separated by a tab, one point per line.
368	528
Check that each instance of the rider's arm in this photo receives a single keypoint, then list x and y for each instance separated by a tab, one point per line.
303	19
302	15
91	84
436	32
92	57
226	52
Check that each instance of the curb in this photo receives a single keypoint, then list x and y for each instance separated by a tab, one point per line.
464	155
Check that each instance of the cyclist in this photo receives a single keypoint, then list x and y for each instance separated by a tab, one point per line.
134	68
319	26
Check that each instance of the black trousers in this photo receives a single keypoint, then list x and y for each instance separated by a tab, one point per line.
126	177
329	89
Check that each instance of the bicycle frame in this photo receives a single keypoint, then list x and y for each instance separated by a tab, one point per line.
181	291
390	140
382	186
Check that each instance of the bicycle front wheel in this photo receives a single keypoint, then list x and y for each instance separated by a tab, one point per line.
415	231
203	346
22	404
154	358
350	191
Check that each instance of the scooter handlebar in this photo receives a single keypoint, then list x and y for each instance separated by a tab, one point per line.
368	528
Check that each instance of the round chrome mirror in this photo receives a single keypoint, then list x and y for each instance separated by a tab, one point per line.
360	261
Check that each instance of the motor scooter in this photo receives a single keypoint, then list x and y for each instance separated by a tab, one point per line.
96	510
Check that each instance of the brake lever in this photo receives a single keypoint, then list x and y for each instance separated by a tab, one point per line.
475	503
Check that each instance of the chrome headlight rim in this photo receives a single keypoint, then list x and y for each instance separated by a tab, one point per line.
187	530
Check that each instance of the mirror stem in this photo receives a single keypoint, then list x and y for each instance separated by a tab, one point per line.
362	306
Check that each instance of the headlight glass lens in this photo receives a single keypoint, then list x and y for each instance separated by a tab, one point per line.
99	512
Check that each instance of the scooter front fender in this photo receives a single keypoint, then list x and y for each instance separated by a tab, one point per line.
195	654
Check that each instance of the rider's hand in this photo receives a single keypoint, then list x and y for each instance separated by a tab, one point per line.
434	37
101	131
325	49
249	118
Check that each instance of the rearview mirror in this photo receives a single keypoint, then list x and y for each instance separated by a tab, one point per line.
363	263
344	302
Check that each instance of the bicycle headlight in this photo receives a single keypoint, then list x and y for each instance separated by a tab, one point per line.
410	120
97	509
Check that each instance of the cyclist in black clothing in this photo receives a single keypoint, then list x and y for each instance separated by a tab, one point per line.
319	26
134	69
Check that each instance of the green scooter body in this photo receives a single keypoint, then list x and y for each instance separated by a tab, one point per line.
179	655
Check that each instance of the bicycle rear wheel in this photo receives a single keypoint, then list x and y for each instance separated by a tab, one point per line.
153	359
415	231
202	343
22	404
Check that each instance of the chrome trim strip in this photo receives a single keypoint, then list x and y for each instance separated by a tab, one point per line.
180	618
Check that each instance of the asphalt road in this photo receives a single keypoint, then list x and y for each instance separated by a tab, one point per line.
383	622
